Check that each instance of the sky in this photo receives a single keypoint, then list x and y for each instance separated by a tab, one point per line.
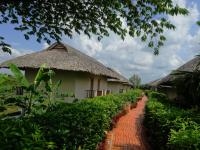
130	56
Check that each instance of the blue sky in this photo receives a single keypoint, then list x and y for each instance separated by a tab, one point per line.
131	55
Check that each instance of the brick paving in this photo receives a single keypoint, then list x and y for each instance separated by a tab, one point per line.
129	131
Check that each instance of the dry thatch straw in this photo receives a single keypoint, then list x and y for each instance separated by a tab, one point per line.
62	57
154	83
120	78
190	66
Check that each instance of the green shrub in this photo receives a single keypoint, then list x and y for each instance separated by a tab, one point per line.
157	95
21	134
186	137
170	127
65	126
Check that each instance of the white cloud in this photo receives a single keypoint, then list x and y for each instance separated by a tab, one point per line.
175	61
15	53
45	45
181	3
4	56
183	23
91	46
132	56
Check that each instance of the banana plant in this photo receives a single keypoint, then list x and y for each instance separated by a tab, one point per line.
32	90
45	76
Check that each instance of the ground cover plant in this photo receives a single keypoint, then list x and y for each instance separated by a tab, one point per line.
171	127
79	125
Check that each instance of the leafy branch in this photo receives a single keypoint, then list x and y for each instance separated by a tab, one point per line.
51	19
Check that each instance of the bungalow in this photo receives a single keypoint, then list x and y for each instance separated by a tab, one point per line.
80	74
154	85
166	85
163	86
119	85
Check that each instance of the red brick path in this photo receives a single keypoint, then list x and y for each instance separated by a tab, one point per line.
128	134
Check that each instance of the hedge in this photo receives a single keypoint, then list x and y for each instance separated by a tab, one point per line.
170	127
80	125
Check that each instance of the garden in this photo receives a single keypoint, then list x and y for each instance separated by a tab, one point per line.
49	124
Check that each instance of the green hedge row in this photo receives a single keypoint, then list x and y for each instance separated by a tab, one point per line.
80	125
170	127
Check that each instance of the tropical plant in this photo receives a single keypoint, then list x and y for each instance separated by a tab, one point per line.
50	19
6	89
33	92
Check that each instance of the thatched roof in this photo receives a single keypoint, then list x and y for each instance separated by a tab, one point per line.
190	66
120	78
62	57
154	83
166	80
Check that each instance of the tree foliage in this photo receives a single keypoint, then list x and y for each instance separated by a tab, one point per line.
135	80
50	19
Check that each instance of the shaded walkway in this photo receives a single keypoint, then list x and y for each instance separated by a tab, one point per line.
128	135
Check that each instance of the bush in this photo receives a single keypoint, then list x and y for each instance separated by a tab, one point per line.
170	127
69	126
187	137
21	134
2	108
157	95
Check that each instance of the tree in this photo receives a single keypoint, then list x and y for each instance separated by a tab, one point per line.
50	19
135	80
